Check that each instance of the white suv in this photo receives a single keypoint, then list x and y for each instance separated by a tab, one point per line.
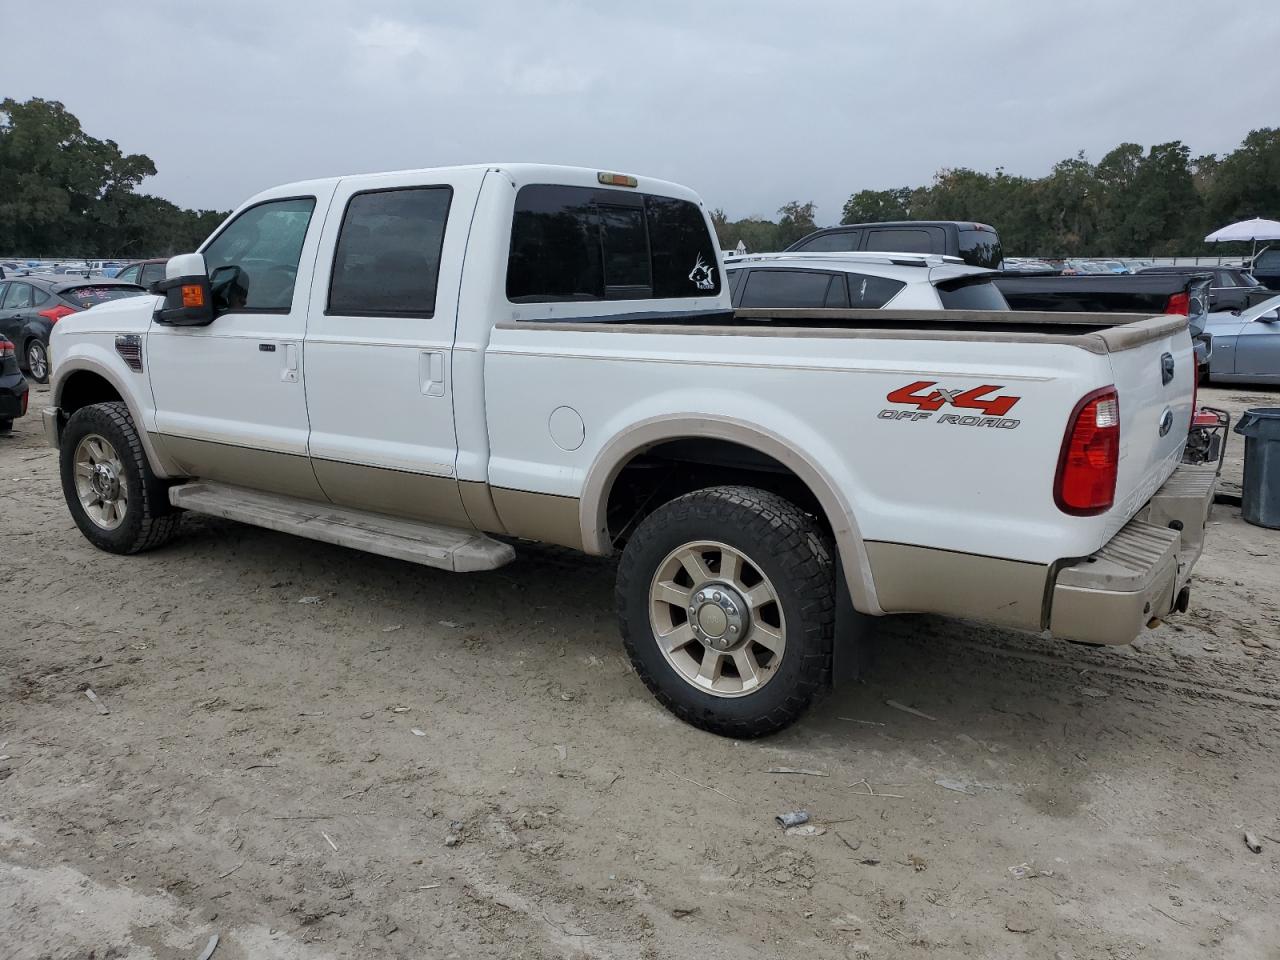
899	281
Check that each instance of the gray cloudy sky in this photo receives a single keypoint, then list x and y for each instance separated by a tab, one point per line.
750	103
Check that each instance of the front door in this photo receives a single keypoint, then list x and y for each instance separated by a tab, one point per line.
1258	350
230	401
379	345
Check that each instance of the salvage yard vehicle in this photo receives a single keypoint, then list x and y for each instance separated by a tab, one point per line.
31	306
895	281
13	387
435	364
1245	345
977	244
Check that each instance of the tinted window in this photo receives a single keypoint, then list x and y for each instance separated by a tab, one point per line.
130	274
871	293
151	272
577	243
18	296
980	294
981	248
388	256
901	240
265	242
827	242
1268	260
1223	278
85	297
786	288
38	297
735	280
624	241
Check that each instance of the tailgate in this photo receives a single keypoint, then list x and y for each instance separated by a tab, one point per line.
1156	384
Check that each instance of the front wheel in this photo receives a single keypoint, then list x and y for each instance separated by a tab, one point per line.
115	499
726	598
38	361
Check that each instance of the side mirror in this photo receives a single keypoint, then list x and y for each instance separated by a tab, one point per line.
188	299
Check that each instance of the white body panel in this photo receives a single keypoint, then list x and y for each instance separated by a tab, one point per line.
468	394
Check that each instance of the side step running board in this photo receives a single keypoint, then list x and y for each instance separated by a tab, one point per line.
462	551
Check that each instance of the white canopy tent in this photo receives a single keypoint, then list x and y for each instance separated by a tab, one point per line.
1255	230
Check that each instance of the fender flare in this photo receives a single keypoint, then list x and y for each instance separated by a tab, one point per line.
160	465
641	436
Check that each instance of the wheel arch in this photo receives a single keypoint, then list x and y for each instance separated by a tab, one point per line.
640	438
81	381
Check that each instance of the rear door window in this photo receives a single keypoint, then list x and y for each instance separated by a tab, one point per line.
786	288
904	240
583	244
18	296
839	241
387	261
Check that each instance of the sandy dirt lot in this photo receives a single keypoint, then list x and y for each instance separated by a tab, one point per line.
427	765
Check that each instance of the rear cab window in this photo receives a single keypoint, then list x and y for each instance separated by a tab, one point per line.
572	244
839	241
905	240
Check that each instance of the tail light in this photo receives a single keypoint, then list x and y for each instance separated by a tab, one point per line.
54	314
6	349
1090	458
1179	303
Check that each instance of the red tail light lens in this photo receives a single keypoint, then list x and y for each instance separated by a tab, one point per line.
1179	303
1090	458
6	349
54	314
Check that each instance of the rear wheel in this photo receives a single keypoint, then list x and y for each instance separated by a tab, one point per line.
115	499
37	356
726	598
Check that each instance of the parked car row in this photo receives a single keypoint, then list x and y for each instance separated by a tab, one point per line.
31	305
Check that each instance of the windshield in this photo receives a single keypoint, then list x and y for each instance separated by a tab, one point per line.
981	248
86	297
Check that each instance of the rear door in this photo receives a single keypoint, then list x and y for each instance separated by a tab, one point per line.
379	344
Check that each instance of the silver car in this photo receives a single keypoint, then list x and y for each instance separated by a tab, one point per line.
1245	345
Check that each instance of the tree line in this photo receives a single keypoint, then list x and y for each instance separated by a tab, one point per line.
64	193
1159	201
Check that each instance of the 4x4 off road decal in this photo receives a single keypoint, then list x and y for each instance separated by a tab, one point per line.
927	397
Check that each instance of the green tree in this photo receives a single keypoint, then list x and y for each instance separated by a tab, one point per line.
65	193
877	206
795	220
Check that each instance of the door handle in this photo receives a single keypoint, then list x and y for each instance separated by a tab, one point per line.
431	372
290	372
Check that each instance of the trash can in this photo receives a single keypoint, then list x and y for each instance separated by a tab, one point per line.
1260	501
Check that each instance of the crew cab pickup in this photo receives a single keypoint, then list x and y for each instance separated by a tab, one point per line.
438	364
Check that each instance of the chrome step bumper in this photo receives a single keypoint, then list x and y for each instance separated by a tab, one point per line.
1138	575
447	548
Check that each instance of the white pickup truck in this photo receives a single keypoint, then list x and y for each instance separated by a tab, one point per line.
437	364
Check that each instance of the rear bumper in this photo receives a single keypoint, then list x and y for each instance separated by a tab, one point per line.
13	396
1138	575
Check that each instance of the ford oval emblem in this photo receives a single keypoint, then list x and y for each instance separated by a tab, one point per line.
1166	422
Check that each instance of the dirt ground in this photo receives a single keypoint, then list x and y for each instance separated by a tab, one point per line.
437	766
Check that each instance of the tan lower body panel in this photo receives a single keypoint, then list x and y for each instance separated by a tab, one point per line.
285	473
911	579
539	516
397	493
477	498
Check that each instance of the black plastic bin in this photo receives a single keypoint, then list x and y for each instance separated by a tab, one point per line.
1260	501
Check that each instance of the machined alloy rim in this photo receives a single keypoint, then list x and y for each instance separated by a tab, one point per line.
100	482
37	360
717	619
